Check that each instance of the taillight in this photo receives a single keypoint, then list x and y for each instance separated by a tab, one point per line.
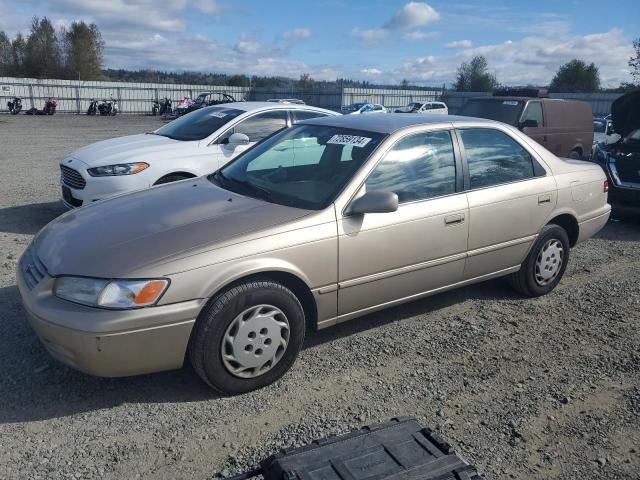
605	187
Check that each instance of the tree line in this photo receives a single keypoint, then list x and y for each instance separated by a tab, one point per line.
76	52
68	53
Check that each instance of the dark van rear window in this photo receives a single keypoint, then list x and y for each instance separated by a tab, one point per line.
505	111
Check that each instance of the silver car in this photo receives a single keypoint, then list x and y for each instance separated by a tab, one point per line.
324	222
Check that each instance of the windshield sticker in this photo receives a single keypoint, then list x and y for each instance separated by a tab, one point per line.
510	102
353	140
219	114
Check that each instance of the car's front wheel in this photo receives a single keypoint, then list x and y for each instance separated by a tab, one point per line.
247	337
544	266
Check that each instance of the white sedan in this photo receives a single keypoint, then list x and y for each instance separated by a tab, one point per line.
195	144
425	107
358	108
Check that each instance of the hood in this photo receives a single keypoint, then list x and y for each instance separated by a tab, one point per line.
128	149
126	236
625	113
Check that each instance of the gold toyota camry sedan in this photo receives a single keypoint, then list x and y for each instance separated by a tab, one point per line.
321	223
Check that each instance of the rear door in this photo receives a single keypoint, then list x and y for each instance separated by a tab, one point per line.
510	197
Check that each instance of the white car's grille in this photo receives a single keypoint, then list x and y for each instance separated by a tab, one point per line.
72	178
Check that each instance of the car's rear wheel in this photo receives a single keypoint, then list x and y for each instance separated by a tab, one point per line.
247	337
545	265
575	154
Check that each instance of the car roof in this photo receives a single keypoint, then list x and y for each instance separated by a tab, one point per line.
390	122
250	106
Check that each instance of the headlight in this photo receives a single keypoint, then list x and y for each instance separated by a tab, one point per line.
120	294
120	169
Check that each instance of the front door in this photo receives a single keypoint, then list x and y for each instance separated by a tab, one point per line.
422	246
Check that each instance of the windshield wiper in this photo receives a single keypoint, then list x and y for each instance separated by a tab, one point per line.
263	193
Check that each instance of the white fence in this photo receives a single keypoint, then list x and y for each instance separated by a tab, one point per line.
73	96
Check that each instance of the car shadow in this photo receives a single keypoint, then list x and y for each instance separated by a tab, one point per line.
29	219
620	228
36	387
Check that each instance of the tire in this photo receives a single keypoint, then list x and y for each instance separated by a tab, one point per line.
539	274
172	177
575	155
221	320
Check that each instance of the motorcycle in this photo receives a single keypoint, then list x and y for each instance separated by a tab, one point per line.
15	106
50	106
165	106
108	107
93	107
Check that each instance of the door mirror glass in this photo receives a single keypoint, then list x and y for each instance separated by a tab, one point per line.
374	202
238	139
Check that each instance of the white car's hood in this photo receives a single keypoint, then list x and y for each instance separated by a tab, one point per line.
132	148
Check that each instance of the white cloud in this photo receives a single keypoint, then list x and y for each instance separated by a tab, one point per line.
533	59
419	35
371	71
207	6
413	14
248	44
297	34
459	44
369	37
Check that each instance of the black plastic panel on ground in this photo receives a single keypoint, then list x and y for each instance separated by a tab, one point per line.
398	450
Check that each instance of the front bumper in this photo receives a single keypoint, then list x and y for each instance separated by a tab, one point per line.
108	343
99	188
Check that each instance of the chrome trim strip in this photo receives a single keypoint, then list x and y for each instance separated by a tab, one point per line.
399	271
500	246
359	313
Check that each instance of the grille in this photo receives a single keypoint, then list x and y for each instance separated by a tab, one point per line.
628	169
33	269
72	178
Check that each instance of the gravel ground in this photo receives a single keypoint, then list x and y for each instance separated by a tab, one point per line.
525	389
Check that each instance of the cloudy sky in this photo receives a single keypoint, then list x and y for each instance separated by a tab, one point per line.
375	40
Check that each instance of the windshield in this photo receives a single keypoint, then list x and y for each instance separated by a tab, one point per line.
198	124
354	106
305	166
506	111
414	106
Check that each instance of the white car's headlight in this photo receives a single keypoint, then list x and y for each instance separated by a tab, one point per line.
119	169
121	294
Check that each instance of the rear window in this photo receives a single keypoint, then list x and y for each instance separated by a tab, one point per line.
198	124
501	110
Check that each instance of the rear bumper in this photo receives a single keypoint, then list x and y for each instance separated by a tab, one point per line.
109	343
589	228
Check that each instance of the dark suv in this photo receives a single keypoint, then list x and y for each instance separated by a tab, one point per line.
565	127
621	160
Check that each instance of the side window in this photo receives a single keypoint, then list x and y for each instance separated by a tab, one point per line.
533	112
300	115
418	167
494	157
262	125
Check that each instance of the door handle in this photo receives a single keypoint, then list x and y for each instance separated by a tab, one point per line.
542	199
454	219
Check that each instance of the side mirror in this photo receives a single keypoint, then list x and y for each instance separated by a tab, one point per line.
374	202
238	139
529	123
